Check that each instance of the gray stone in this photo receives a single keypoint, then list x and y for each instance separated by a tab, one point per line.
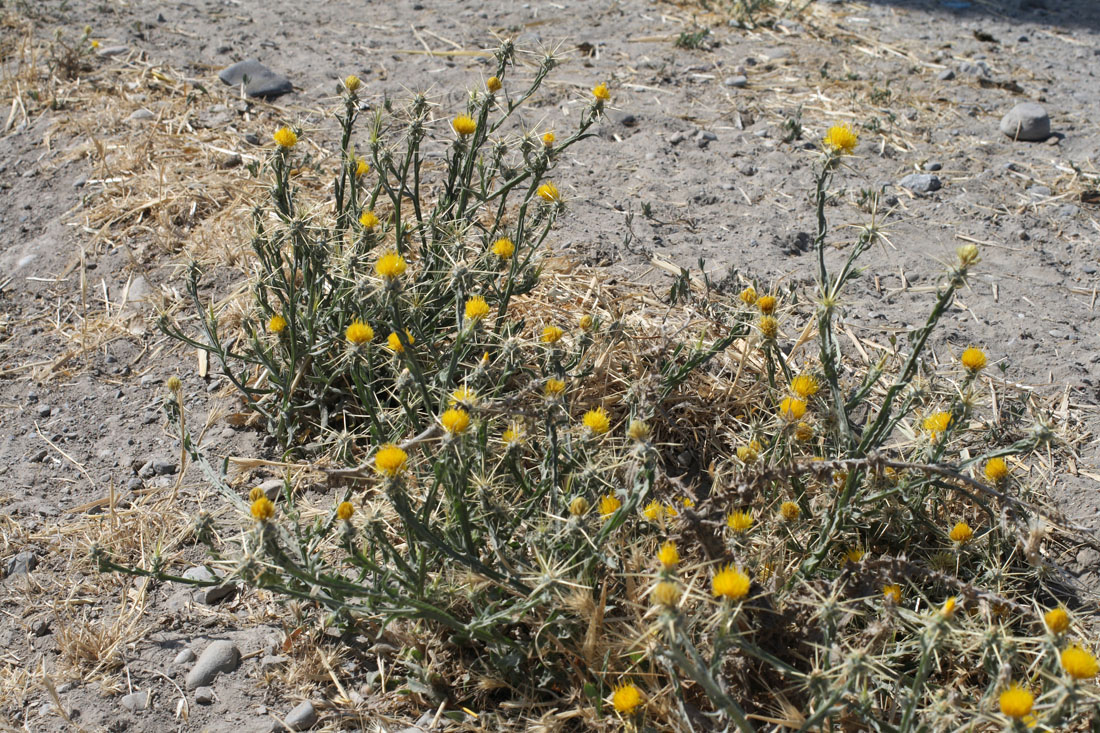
22	564
976	68
41	627
112	51
210	594
271	661
272	488
946	75
704	138
933	165
1040	192
204	695
302	717
259	80
135	484
44	410
165	468
136	701
1026	121
921	182
220	656
139	115
184	657
737	81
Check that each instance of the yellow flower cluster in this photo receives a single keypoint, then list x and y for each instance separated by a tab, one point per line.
551	335
973	359
455	420
368	220
263	509
730	583
344	510
626	698
476	308
740	521
548	192
609	504
503	248
961	533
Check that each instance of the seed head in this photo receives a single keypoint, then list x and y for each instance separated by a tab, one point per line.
748	295
638	431
351	83
968	255
789	511
803	432
769	327
666	593
493	84
174	384
579	506
256	493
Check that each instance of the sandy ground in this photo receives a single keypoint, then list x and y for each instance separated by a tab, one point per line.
689	165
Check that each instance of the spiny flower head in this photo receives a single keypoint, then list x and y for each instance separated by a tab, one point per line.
792	409
276	324
455	420
351	82
553	388
344	510
892	593
769	327
1016	701
996	470
551	335
601	92
961	533
586	322
937	422
668	555
805	385
730	583
655	511
548	192
739	521
463	396
368	220
609	504
626	698
841	139
362	168
973	359
1079	663
766	304
749	452
174	384
390	266
853	554
948	608
968	254
1057	620
504	248
666	593
548	139
476	308
748	295
393	341
359	333
464	125
789	511
493	84
638	430
263	509
390	460
256	493
285	138
597	421
579	506
803	431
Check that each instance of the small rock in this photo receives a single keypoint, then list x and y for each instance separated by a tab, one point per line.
933	165
165	468
1039	192
1026	121
146	471
946	75
259	80
220	656
138	115
135	484
66	687
210	594
301	717
975	68
204	695
136	701
230	161
748	170
80	181
112	51
184	657
44	410
1089	269
252	138
22	564
737	82
272	488
270	661
704	138
676	138
147	380
628	121
921	183
40	627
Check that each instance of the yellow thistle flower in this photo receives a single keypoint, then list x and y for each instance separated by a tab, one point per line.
476	308
626	698
805	386
276	324
256	493
597	421
512	436
464	125
609	504
668	555
769	327
749	452
359	333
961	533
351	82
551	335
362	168
548	192
548	139
948	608
748	295
789	511
853	555
937	422
368	220
1079	663
463	396
493	84
638	431
666	593
504	248
285	137
393	341
390	460
94	44
174	384
1016	702
973	359
553	388
841	139
344	510
766	304
803	432
996	470
892	593
601	92
792	409
739	521
455	420
579	506
1056	620
653	511
390	266
586	322
730	583
263	509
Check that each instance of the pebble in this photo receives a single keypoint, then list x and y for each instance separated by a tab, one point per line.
41	627
135	484
946	75
204	695
211	594
262	81
933	165
80	181
136	701
184	657
112	51
230	161
921	182
704	138
1039	191
139	115
676	138
252	138
22	564
1089	270
1026	121
737	82
975	68
271	660
628	121
220	656
165	468
301	717
44	410
272	488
